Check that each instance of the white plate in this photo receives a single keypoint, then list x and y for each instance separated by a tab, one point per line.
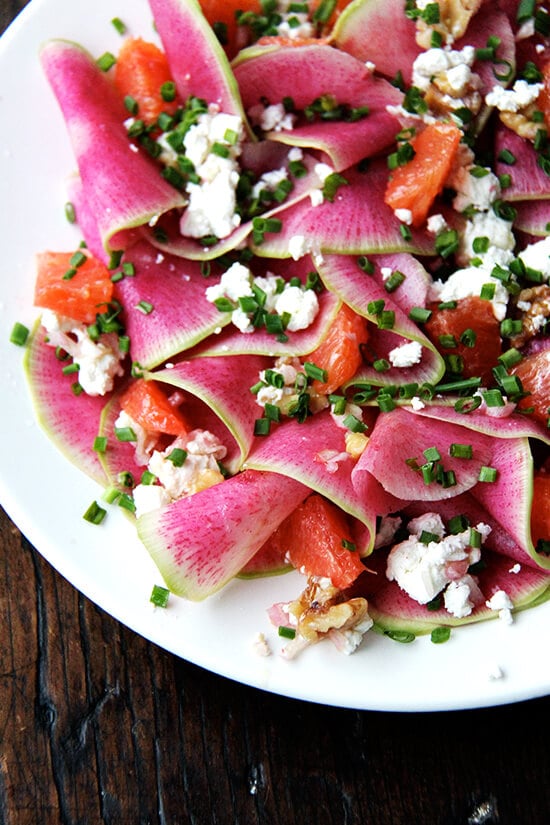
46	496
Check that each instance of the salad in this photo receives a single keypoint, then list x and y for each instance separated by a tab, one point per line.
308	318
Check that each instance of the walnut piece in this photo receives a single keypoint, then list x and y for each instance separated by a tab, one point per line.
454	15
536	301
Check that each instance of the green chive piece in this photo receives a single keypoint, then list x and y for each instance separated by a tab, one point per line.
177	456
70	212
488	474
314	372
439	635
461	450
159	596
145	307
402	636
119	25
94	514
19	334
125	434
106	61
286	632
262	426
100	444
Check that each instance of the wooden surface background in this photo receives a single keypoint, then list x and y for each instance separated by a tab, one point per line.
99	726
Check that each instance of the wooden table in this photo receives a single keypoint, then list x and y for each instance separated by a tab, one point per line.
99	726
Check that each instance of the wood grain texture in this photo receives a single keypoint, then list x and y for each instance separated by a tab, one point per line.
99	726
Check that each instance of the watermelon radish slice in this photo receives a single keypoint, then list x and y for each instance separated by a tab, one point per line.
123	188
120	456
509	499
308	73
314	453
396	450
392	609
507	426
71	421
180	317
357	221
533	217
198	63
202	541
223	384
342	275
529	182
378	31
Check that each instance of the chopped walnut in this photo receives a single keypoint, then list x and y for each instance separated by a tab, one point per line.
521	122
454	15
323	609
535	305
442	103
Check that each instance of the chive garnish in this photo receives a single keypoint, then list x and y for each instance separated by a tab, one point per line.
19	334
159	596
95	514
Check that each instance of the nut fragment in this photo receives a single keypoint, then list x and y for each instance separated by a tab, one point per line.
521	122
454	17
535	302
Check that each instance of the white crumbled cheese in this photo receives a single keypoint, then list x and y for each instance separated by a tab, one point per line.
440	62
237	282
501	602
322	170
495	672
468	282
149	497
458	594
99	362
289	369
473	190
298	246
498	230
271	118
425	570
293	25
406	355
349	640
417	403
404	215
537	256
212	202
269	181
436	224
302	304
515	99
199	470
516	568
261	645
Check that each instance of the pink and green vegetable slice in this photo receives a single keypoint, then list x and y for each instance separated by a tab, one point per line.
353	221
306	74
70	420
123	189
201	542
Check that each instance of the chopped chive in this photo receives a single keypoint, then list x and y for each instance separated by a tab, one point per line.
420	315
439	635
381	365
461	450
488	474
159	596
100	444
148	478
394	281
467	405
286	632
385	402
106	61
402	636
145	307
432	454
475	538
19	334
493	398
487	291
95	514
314	372
168	91
125	434
354	424
70	212
119	25
457	524
262	426
177	456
